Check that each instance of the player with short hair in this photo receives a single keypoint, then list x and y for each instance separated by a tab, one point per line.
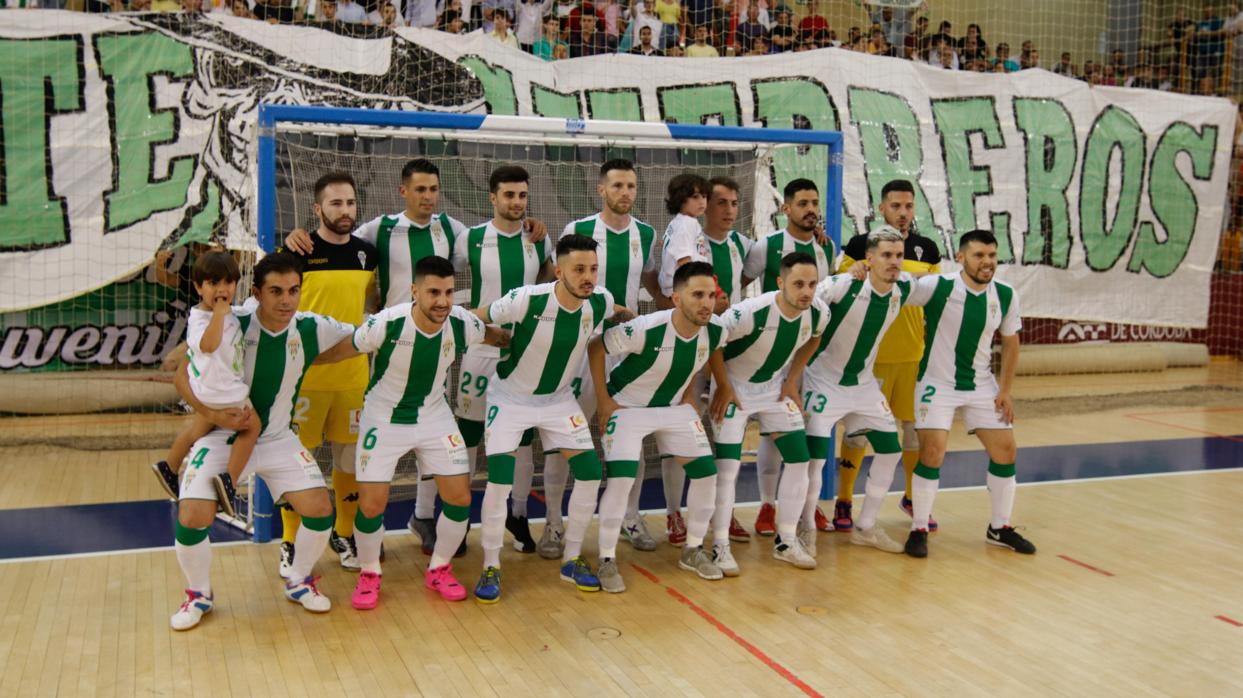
551	325
648	391
902	346
279	345
767	335
414	344
338	280
801	205
962	313
838	383
626	248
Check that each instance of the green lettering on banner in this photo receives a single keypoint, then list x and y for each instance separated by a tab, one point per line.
1172	200
498	85
699	104
615	105
1052	152
890	136
1115	130
956	120
551	103
39	78
800	102
129	64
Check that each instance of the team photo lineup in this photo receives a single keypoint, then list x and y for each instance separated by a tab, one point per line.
359	338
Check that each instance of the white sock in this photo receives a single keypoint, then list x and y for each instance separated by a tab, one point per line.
673	477
308	545
700	502
923	492
582	507
632	501
791	498
880	477
612	509
449	535
425	499
368	545
768	469
493	522
556	472
195	561
524	472
815	473
1001	492
726	486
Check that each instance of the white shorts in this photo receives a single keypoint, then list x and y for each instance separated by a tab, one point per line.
435	440
776	415
281	461
935	404
477	371
863	408
677	429
561	425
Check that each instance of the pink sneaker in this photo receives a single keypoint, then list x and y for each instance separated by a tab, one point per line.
441	579
366	592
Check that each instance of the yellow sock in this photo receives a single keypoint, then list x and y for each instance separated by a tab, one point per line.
909	459
290	520
846	474
345	493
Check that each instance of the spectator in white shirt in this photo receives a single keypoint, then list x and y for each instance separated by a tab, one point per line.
422	13
351	12
500	29
528	18
386	16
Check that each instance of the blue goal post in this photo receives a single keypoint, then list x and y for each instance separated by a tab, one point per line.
271	116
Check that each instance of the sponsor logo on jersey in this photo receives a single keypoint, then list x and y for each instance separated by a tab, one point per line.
294	346
362	259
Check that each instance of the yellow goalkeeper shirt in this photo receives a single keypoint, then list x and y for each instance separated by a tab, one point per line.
335	282
904	342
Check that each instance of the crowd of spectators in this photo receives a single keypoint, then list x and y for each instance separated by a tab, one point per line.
1188	58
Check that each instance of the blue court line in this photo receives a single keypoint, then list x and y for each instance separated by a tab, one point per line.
94	528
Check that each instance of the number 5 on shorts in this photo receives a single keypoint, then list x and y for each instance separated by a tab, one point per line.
928	393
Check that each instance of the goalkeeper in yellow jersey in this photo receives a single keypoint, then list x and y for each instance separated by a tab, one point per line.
338	280
897	358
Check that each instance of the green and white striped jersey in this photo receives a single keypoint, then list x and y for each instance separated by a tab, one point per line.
623	254
410	366
858	318
401	244
498	262
548	344
959	325
761	341
276	362
764	258
728	257
656	363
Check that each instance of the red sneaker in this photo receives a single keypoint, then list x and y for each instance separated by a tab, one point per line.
822	521
841	517
675	527
441	580
766	522
737	533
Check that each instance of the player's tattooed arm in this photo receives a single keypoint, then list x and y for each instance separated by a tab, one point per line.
1009	362
495	336
621	314
605	404
723	395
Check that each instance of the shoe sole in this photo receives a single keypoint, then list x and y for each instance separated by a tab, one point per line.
618	590
766	534
710	578
577	585
163	483
739	538
550	554
486	602
446	597
837	528
310	610
796	565
999	544
364	607
919	555
678	543
866	544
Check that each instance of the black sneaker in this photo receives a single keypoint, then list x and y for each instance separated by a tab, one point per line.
346	551
225	493
917	543
425	529
521	530
1007	537
168	479
286	560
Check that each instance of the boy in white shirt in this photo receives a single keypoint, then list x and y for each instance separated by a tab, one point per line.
686	200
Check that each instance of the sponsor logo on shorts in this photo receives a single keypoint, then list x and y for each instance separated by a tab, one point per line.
577	422
455	441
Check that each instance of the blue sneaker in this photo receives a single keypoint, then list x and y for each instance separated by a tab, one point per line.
579	572
488	590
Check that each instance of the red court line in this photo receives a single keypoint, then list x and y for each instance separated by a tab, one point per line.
728	632
1085	565
1231	621
1142	418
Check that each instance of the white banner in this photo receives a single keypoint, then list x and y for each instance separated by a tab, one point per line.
1109	202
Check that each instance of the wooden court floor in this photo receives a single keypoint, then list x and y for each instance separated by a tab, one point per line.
1134	591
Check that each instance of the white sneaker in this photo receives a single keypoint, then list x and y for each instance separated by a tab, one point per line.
724	559
551	542
875	537
346	551
793	553
307	593
807	539
286	566
191	611
635	532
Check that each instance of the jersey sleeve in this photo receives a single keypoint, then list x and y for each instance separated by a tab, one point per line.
330	331
461	249
510	307
474	331
822	322
546	243
370	230
739	321
370	335
833	288
457	230
922	289
1011	322
626	338
757	259
197	324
